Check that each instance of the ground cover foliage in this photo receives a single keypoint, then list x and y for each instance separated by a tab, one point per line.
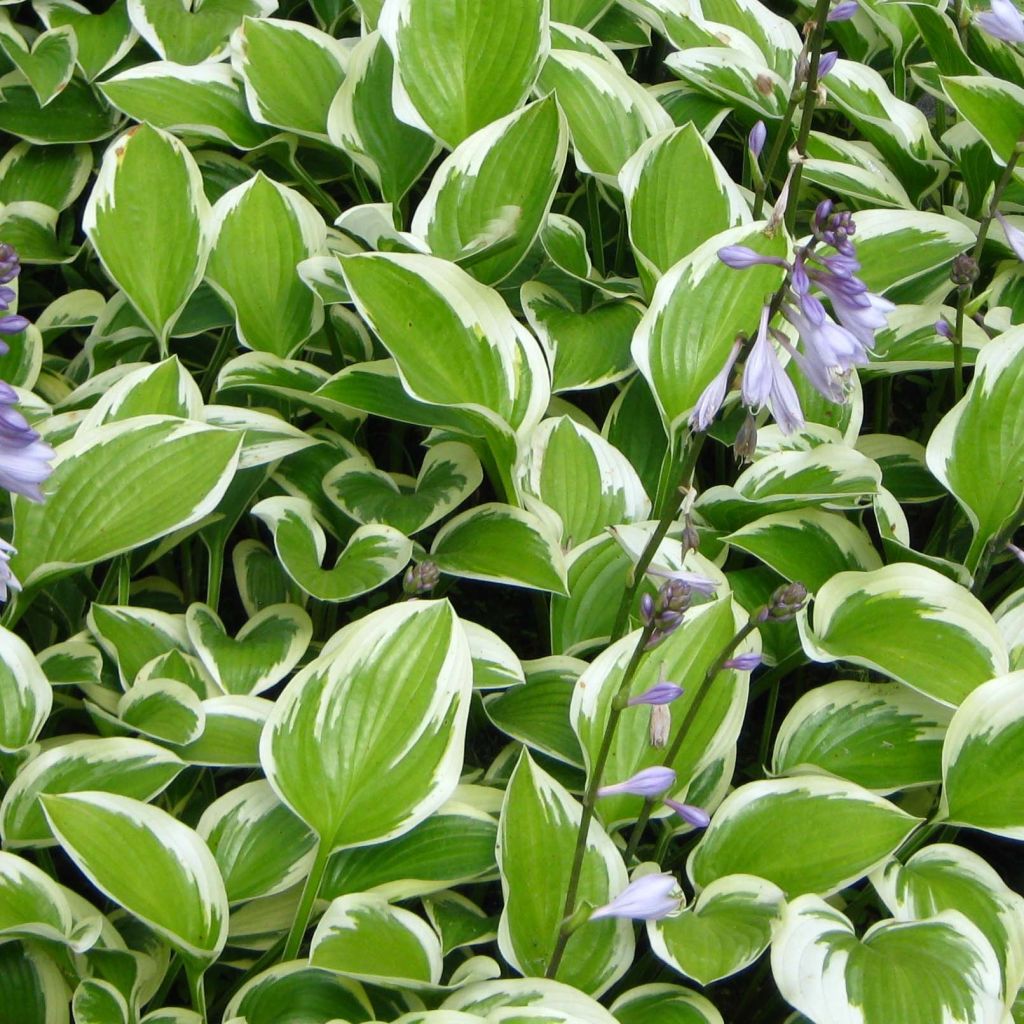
512	512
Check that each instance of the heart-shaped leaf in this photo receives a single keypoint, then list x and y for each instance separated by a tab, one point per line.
103	39
163	709
189	32
48	64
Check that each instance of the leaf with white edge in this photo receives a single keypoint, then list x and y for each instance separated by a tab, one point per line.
664	1004
163	709
232	733
697	310
904	470
805	834
26	696
130	767
162	389
734	76
103	39
362	936
48	64
981	441
266	437
134	636
289	993
536	838
196	33
71	662
261	848
921	972
154	866
379	720
508	170
495	664
32	906
501	544
808	544
440	85
458	921
260	231
363	123
579	12
171	473
99	1002
995	109
910	342
493	366
882	736
910	623
587	481
663	225
450	473
76	114
728	927
946	877
206	100
983	759
484	997
53	176
263	652
154	252
373	555
291	71
609	114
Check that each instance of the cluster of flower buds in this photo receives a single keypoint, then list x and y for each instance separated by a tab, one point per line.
964	271
10	267
421	579
784	603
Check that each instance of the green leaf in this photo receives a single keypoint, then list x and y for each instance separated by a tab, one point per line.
232	732
99	1002
32	906
440	85
981	440
501	544
52	176
25	693
734	76
170	474
154	252
129	767
505	172
403	677
134	636
103	39
362	937
76	114
882	736
910	623
565	1000
983	759
32	987
806	834
664	1004
536	838
264	651
153	865
163	709
698	308
296	993
372	556
162	389
268	54
993	107
193	34
924	971
50	62
727	929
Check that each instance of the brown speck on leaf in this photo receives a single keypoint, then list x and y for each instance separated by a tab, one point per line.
764	85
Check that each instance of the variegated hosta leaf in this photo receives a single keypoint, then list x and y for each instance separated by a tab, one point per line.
170	473
260	231
807	834
536	839
53	176
160	389
883	736
946	877
665	226
265	650
910	623
449	474
232	732
610	115
362	936
276	994
487	996
728	927
983	759
99	1002
698	308
501	544
48	64
155	252
587	481
372	556
650	1003
993	107
578	12
192	34
114	764
133	637
981	441
103	39
379	720
917	972
32	906
440	85
733	75
32	982
684	658
26	696
488	200
163	709
157	868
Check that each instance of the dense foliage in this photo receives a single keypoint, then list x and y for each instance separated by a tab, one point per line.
512	512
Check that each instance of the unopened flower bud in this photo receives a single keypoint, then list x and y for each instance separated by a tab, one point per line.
690	538
692	815
421	579
661	725
756	139
10	265
826	63
645	899
744	662
943	329
964	271
843	11
649	782
786	601
746	440
647	609
662	692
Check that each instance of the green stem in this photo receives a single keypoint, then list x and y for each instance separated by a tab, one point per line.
214	574
596	227
769	721
124	580
781	135
590	800
917	839
217	360
196	988
305	907
688	719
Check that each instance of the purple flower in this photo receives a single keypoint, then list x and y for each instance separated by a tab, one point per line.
646	899
12	324
1014	236
24	458
712	397
740	257
1003	22
744	662
826	62
843	11
764	380
647	783
662	692
756	139
695	581
8	581
943	329
830	352
10	265
695	816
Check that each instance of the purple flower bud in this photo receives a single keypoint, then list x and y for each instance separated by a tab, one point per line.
1014	236
826	63
646	783
12	324
943	329
1002	22
844	11
695	581
695	816
741	257
421	578
744	662
646	899
662	692
10	265
786	601
756	139
647	609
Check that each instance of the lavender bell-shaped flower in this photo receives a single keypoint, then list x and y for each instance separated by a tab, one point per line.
24	458
1003	22
712	397
843	11
8	581
744	662
646	899
1014	236
648	782
764	380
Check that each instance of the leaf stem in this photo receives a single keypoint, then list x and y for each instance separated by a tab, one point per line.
596	227
215	573
305	907
197	990
692	711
